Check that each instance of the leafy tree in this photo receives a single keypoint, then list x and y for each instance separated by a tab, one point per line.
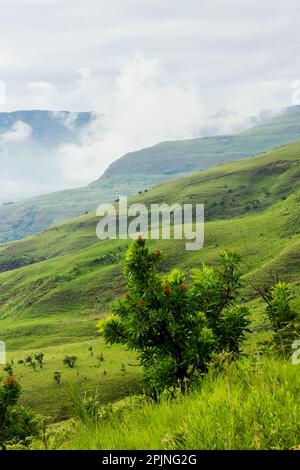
17	424
28	360
9	369
40	359
70	361
176	325
283	318
57	377
33	365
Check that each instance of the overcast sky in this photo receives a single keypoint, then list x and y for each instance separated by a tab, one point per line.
159	65
237	53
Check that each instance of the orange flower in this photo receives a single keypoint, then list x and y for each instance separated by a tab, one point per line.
167	290
140	241
11	380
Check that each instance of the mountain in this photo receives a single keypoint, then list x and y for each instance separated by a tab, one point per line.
29	141
141	170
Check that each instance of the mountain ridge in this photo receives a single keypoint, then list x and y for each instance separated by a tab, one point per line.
141	170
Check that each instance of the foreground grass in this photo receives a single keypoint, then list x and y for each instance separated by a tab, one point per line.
252	405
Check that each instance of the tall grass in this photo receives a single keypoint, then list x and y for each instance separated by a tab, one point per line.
251	405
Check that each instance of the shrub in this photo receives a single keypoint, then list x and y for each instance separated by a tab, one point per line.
283	318
57	377
40	359
70	361
176	326
17	424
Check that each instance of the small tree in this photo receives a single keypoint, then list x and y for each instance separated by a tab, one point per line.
9	369
17	424
40	359
57	377
176	326
283	318
33	365
28	360
70	361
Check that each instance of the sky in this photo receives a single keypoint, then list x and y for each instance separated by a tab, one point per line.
156	70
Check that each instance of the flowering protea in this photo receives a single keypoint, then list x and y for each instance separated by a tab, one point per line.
140	240
167	290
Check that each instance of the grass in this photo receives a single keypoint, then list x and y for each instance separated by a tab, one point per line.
55	286
253	405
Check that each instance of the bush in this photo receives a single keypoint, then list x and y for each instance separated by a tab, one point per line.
70	361
283	318
17	424
176	326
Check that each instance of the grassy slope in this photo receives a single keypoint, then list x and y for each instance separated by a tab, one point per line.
141	170
252	406
56	285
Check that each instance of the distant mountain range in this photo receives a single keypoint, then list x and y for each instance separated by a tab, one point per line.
138	171
28	150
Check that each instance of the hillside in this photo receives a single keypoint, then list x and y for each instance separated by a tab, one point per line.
54	286
144	169
172	158
234	410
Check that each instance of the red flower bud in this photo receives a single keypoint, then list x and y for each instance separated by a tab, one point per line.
182	287
167	290
157	251
140	241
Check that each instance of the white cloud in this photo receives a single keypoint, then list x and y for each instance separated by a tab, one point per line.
19	132
145	107
56	55
43	94
221	45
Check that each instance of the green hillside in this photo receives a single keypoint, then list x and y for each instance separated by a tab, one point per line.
144	169
54	286
252	405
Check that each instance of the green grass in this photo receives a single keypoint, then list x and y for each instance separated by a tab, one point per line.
43	394
253	405
55	286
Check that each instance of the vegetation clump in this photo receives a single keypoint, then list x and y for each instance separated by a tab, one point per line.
177	323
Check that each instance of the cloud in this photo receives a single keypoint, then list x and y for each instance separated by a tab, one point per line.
19	132
200	57
42	93
145	107
67	119
221	45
